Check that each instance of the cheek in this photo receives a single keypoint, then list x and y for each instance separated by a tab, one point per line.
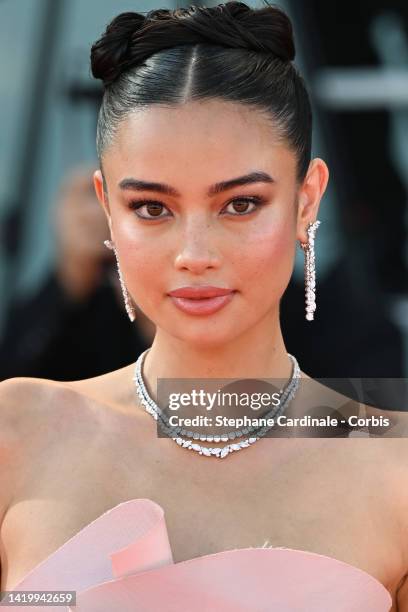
143	264
141	256
267	255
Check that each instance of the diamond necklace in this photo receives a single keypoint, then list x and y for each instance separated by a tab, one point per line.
176	431
153	409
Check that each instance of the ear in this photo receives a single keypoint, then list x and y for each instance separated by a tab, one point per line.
309	196
102	196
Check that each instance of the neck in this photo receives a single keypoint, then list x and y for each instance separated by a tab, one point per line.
259	352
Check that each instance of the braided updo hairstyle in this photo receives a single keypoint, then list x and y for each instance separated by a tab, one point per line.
231	52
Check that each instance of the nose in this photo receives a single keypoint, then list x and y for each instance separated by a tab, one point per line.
196	251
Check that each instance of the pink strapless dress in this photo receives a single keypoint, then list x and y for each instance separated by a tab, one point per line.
122	562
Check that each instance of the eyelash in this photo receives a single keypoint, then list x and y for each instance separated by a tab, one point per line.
257	201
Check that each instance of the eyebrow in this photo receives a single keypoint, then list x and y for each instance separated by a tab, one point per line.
132	184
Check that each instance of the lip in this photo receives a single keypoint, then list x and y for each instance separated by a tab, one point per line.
201	300
199	291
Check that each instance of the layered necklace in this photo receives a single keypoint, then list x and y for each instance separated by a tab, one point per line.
257	432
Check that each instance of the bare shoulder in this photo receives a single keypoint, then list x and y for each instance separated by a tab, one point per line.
21	400
33	411
42	418
381	422
27	404
39	419
114	389
8	443
377	438
376	451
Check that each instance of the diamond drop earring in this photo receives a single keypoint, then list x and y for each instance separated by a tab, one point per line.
310	270
130	309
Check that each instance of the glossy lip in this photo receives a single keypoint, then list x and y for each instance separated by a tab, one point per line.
202	306
199	292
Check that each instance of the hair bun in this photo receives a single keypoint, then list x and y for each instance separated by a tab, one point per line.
109	53
132	37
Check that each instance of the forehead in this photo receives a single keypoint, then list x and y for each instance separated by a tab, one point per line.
211	138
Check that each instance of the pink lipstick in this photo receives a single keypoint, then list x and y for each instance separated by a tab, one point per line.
201	299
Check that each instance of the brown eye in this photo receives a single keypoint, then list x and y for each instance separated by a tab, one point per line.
241	206
152	208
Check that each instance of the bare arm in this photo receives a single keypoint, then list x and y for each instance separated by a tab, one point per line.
8	438
18	400
402	596
400	446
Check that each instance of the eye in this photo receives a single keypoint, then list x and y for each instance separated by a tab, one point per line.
243	203
153	207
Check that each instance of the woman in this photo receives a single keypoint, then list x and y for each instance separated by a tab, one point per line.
204	141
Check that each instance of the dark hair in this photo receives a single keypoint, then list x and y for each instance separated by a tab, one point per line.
230	51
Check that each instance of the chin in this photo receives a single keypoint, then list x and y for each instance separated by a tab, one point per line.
204	335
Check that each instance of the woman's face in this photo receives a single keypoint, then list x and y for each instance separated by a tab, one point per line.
242	238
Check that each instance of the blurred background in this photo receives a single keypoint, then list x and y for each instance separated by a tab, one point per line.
61	310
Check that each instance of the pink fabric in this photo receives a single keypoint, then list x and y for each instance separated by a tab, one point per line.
123	561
